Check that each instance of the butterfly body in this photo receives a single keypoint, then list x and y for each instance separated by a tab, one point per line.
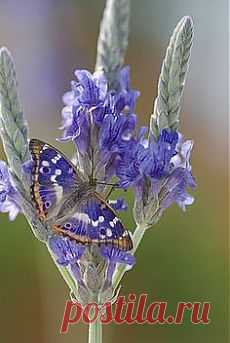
69	204
74	202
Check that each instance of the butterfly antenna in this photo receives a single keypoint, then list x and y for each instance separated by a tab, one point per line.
115	185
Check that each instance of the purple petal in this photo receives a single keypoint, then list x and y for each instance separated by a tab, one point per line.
117	256
182	158
176	187
11	208
76	272
118	204
65	250
27	167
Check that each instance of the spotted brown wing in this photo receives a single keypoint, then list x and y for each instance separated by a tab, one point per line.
53	176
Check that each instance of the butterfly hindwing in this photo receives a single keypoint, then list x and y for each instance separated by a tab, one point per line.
52	176
54	179
96	223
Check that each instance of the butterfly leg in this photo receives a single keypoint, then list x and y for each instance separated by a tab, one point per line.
109	193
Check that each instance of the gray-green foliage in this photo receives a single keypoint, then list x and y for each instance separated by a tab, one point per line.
113	38
172	78
13	125
147	210
13	129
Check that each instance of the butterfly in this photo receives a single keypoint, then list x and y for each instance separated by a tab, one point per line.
69	203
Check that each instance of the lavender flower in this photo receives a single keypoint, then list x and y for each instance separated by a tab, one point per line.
159	173
103	126
99	117
99	120
9	198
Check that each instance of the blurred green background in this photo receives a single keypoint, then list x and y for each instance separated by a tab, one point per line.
185	257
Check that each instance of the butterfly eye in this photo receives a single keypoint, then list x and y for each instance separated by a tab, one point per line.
68	225
47	204
45	170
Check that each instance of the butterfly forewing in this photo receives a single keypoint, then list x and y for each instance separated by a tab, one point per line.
53	177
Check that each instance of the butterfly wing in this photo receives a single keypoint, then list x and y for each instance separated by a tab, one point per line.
53	177
97	223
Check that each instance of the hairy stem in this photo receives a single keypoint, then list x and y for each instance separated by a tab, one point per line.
95	332
137	238
64	273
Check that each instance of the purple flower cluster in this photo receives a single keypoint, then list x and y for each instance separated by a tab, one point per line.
103	125
124	151
9	200
92	109
68	253
158	170
164	163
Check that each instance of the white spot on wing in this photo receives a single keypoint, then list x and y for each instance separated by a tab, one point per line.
53	178
115	220
56	158
58	192
83	217
94	223
45	164
109	233
111	224
101	219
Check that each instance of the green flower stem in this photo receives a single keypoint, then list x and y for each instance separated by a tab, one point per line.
95	332
95	329
137	237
